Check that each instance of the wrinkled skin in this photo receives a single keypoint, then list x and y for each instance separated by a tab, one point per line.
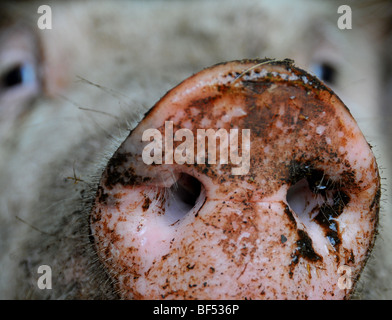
103	67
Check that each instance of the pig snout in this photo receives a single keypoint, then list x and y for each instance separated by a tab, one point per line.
249	180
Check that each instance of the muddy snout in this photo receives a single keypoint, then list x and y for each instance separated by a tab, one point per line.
249	180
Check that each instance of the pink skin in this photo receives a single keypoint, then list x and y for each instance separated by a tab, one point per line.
308	205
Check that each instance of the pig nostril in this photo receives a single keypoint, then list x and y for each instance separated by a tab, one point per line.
311	189
306	198
187	189
184	195
316	199
302	200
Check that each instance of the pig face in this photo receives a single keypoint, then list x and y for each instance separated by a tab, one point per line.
81	189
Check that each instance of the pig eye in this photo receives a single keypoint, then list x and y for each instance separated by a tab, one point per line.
19	75
325	71
20	66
